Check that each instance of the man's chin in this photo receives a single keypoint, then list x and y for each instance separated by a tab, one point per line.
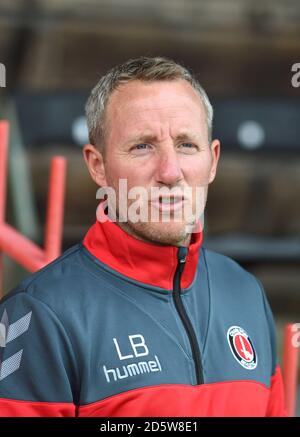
167	234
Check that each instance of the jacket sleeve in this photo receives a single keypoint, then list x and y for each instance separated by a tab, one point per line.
276	404
37	366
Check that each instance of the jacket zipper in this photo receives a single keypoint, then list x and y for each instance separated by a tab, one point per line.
182	253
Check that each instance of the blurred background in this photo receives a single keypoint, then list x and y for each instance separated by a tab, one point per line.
242	52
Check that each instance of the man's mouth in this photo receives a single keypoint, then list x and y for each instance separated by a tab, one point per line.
169	203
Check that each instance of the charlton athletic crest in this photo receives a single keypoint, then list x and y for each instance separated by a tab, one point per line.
241	347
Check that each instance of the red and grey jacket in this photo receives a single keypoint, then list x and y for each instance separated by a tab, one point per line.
120	327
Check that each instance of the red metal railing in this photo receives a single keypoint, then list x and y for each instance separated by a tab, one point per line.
12	242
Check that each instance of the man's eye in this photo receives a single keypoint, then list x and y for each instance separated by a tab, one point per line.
142	146
189	146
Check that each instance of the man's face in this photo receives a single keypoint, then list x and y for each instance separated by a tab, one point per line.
156	136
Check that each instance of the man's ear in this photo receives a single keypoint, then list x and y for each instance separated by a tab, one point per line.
215	151
95	164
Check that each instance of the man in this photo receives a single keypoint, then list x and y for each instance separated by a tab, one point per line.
139	319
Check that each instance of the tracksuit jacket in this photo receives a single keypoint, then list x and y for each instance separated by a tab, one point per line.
120	327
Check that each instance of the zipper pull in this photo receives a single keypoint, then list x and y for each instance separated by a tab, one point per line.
181	256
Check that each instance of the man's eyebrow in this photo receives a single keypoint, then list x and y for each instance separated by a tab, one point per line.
187	136
143	138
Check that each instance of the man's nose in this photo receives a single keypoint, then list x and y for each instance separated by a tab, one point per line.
168	168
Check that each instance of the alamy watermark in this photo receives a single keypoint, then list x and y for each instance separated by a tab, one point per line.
2	76
296	76
155	205
296	336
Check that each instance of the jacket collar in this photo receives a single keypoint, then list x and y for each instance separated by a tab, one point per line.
144	262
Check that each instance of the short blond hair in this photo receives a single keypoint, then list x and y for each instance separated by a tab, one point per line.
145	69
